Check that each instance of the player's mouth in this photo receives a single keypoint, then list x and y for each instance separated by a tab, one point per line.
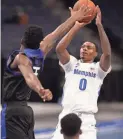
84	53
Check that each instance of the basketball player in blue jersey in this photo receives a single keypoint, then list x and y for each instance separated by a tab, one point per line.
21	77
83	78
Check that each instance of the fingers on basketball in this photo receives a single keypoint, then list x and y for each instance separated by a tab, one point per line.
89	9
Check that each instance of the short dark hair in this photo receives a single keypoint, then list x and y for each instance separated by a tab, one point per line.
70	124
32	37
96	46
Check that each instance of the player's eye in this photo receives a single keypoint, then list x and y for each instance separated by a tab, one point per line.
89	47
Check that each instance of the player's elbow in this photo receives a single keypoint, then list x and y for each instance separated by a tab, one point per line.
107	56
59	49
107	53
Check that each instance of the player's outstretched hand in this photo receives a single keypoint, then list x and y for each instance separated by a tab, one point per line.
81	14
99	16
46	95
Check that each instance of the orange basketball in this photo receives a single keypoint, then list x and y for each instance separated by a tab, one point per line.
90	4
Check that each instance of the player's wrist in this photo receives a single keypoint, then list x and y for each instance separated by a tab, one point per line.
99	25
74	17
39	90
78	26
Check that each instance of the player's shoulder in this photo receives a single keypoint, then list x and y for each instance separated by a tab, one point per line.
73	58
95	64
22	59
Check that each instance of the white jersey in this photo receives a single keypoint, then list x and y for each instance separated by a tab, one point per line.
82	85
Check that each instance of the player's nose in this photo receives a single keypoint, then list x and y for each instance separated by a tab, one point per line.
85	49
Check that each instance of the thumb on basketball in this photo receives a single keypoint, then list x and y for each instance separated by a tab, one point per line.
86	19
79	23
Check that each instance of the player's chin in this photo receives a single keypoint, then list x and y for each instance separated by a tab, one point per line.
82	57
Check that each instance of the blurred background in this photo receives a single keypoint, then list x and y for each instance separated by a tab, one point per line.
16	15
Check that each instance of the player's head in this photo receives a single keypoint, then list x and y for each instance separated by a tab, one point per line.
32	37
88	51
70	126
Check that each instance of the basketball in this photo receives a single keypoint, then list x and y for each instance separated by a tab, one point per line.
90	4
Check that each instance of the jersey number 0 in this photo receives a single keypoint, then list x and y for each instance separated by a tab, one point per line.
82	84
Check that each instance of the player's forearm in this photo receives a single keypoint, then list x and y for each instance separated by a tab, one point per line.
64	27
34	83
51	40
64	43
105	44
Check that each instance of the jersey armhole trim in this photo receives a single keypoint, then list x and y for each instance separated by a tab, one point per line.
16	73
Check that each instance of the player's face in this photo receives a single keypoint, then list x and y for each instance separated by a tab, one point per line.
88	51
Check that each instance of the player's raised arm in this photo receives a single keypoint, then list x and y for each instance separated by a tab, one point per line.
105	60
25	67
50	40
61	51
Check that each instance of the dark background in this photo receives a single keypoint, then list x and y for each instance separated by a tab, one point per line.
51	77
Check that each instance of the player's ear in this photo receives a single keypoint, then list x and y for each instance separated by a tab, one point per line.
61	131
80	132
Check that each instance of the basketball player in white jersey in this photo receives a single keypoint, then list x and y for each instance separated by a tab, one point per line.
83	78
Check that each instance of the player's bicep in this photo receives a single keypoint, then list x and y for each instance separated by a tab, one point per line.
19	59
25	66
26	70
64	57
13	62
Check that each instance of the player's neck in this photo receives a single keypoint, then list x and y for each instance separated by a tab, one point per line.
86	61
66	137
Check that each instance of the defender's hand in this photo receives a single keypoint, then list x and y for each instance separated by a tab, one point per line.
46	95
81	14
